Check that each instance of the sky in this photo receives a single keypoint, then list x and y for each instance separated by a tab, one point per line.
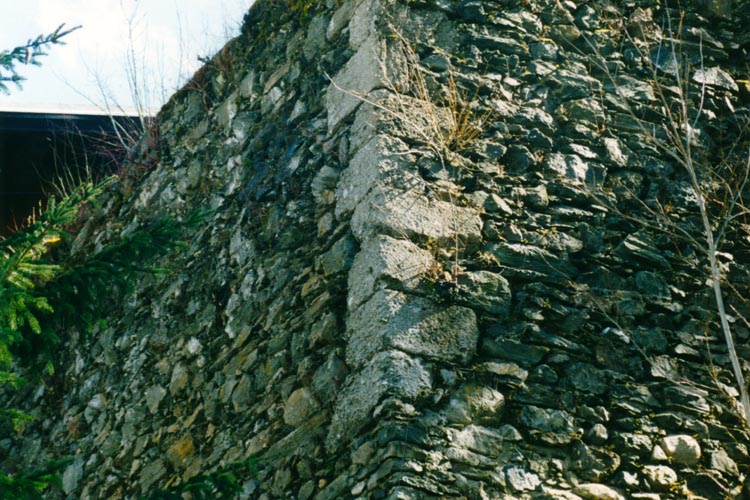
160	39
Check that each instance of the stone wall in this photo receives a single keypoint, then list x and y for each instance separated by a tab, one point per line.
375	308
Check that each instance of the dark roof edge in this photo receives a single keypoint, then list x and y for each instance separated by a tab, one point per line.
86	123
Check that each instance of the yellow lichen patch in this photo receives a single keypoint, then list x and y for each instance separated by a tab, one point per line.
179	451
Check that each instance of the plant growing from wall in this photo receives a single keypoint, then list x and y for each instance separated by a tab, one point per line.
75	292
445	121
30	485
20	270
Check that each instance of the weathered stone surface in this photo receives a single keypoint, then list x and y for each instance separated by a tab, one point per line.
151	473
473	403
592	491
476	179
509	374
338	258
413	325
587	378
570	166
556	494
636	248
365	71
179	380
530	262
722	462
154	396
706	485
399	213
242	393
480	439
593	463
526	355
521	480
486	291
179	451
638	444
380	162
299	407
691	399
328	377
682	449
384	261
660	477
226	112
715	77
645	496
389	372
553	427
72	476
323	185
341	18
596	435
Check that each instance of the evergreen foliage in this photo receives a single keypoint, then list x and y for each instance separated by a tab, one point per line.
21	270
30	485
42	288
25	270
75	294
28	53
224	483
40	292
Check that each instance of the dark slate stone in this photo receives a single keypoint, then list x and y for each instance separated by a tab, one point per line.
593	463
553	427
569	85
506	46
689	399
537	139
518	159
485	291
543	395
531	262
638	444
557	342
525	354
587	378
651	340
638	249
707	485
543	374
636	394
395	431
507	374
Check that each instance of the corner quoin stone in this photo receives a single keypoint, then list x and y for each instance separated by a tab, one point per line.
415	325
387	373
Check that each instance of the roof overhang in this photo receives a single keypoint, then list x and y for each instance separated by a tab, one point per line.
63	119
